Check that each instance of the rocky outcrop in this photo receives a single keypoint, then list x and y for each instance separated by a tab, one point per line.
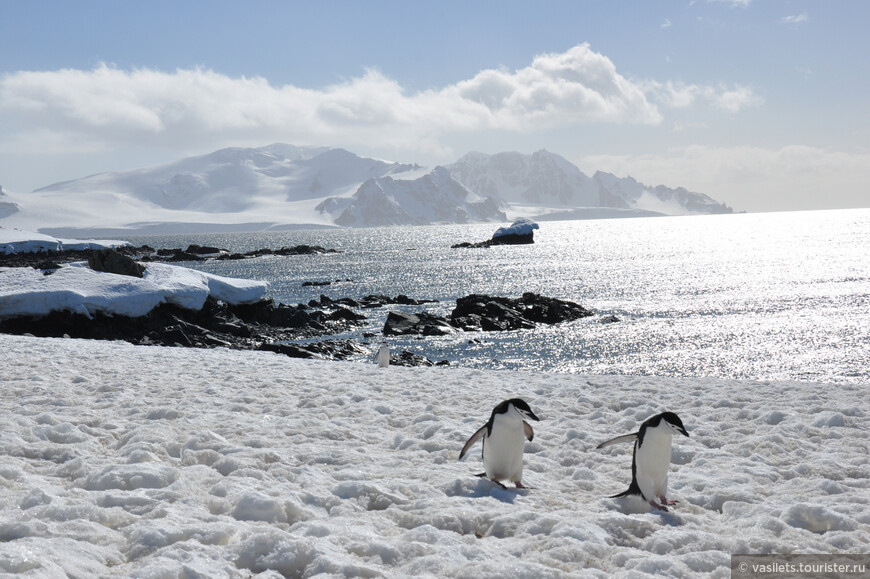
284	251
488	313
110	261
146	253
247	326
520	232
479	312
425	324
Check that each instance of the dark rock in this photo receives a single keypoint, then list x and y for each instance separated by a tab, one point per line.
489	313
469	245
513	239
284	251
326	349
423	323
110	261
379	300
47	266
315	283
406	358
611	319
202	249
184	256
341	313
175	335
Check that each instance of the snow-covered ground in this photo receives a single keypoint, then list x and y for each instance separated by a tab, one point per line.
21	241
121	460
25	291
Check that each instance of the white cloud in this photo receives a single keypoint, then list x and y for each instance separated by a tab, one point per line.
733	3
795	19
752	178
681	95
199	105
666	23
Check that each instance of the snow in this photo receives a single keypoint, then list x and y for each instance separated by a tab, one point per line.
521	226
281	187
76	288
126	460
21	241
122	460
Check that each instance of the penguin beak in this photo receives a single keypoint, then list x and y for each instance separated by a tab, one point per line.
531	415
683	431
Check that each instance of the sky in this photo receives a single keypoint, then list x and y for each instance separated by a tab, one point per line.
763	105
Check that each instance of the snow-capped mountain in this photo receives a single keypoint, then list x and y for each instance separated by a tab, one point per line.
547	180
283	186
234	180
7	207
630	193
435	197
541	179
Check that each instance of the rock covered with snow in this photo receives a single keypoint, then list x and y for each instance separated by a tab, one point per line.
25	291
520	231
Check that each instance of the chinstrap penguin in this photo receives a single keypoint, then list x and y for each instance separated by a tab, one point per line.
651	459
383	356
503	445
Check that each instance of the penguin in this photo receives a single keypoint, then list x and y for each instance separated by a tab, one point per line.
651	459
502	439
383	356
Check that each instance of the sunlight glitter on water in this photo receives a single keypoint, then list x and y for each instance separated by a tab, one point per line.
760	296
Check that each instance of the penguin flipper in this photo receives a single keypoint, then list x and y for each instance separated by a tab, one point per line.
527	428
474	438
624	438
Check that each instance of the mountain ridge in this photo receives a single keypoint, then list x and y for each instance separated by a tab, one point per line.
282	186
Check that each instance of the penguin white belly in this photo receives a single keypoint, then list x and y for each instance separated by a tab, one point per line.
503	450
652	461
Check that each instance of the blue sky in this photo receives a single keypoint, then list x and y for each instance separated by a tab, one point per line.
760	104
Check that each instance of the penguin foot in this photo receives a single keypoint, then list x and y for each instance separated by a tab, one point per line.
520	485
666	501
658	506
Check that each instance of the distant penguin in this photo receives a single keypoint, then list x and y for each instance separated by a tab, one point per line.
503	445
652	457
383	355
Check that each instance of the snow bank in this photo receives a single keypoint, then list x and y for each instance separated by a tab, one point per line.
25	291
19	241
147	461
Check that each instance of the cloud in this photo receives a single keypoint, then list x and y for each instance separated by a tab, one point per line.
795	20
733	3
681	95
666	23
752	178
199	105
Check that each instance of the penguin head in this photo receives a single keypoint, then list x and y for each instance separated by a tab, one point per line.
673	422
518	406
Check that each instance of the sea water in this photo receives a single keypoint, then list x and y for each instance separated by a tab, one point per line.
750	296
